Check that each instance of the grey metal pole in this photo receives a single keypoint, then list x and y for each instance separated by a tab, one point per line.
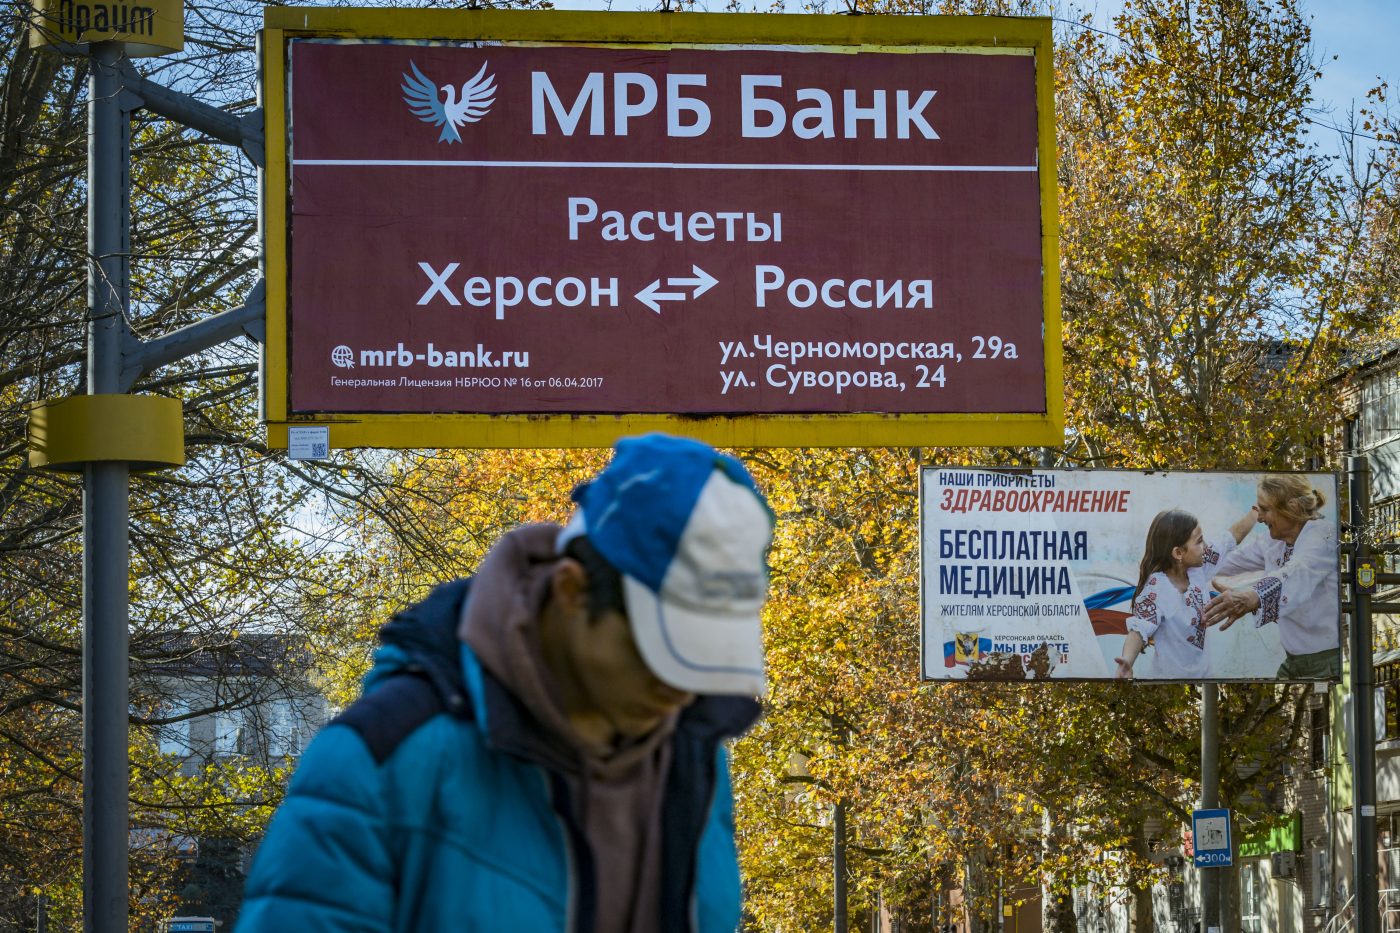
838	860
106	557
1210	797
1363	738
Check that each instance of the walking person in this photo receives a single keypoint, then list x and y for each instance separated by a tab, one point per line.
540	747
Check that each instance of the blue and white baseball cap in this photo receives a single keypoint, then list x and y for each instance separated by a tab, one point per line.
689	532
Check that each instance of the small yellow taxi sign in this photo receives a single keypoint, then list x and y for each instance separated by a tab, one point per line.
148	27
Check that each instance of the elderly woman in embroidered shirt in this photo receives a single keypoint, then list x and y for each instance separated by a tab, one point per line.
1299	587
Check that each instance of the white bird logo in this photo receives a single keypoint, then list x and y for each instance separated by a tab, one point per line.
422	97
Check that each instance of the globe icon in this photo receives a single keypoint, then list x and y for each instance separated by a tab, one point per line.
343	357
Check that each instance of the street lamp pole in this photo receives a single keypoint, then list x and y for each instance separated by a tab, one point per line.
838	861
106	547
1363	687
106	432
1210	797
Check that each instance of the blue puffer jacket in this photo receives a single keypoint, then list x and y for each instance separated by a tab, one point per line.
455	831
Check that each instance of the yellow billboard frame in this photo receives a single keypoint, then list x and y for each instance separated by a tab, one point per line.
986	34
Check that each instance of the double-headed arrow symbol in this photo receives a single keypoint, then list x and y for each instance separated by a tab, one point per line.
651	296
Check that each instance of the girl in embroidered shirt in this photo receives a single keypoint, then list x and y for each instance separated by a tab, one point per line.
1172	590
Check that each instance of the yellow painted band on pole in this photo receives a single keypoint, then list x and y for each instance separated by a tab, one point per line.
148	27
145	431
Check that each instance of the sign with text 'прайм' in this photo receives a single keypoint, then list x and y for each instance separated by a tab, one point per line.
550	229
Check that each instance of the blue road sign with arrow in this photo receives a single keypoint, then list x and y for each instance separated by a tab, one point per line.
1210	834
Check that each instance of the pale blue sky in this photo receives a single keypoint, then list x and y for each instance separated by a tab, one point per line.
1364	35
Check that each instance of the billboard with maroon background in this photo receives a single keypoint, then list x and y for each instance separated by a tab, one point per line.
483	227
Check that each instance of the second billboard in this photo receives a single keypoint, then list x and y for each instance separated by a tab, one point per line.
1102	575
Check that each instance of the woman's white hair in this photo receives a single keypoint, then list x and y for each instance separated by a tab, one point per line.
1292	495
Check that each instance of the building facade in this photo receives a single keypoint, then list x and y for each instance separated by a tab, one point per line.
222	711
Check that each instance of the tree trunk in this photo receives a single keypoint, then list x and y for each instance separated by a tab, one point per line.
1057	909
1058	915
975	885
1143	918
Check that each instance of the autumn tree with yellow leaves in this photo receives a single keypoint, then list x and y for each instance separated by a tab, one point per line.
1194	220
1211	284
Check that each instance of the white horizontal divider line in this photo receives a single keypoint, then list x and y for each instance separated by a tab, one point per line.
704	166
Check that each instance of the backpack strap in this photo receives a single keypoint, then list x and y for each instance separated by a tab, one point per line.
392	713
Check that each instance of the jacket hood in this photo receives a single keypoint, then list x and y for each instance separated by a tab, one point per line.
422	639
501	624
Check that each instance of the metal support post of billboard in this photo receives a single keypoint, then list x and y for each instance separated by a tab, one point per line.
1363	685
106	547
107	433
838	862
245	132
1210	797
